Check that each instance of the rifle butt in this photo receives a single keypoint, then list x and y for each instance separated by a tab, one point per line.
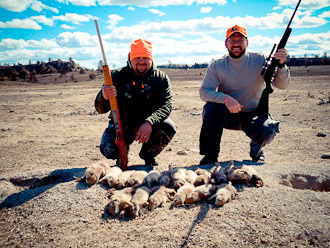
123	159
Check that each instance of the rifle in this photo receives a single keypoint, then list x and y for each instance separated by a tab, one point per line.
269	70
120	142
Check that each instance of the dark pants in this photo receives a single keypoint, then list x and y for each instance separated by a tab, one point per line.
216	117
160	136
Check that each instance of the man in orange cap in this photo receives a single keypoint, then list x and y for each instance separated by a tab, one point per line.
232	88
144	99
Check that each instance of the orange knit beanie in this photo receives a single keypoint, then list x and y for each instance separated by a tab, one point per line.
141	48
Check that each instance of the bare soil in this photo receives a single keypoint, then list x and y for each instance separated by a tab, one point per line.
50	133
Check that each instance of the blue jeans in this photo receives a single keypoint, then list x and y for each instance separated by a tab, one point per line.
216	117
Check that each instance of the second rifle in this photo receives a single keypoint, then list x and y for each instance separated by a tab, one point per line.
269	70
120	142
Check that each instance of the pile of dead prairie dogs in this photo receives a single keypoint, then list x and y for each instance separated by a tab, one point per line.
133	190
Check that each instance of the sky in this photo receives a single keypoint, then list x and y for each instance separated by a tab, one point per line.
181	31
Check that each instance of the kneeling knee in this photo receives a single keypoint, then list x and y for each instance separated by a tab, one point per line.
110	151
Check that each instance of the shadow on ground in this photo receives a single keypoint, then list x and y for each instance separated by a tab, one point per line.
37	185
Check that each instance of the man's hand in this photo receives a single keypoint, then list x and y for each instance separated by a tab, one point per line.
232	105
143	134
109	91
281	55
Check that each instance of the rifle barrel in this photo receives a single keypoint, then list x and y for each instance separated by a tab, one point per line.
293	14
101	44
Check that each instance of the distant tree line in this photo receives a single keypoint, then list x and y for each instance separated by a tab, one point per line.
29	72
307	61
291	61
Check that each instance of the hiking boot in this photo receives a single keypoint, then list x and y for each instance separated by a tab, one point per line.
150	162
256	151
208	160
259	157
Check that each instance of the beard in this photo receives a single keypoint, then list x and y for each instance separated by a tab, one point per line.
141	69
236	56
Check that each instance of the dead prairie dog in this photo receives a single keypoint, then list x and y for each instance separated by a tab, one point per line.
255	178
94	172
245	175
160	196
201	192
218	173
111	176
239	176
120	200
123	177
182	193
225	193
204	177
165	178
151	179
191	176
178	177
137	177
139	200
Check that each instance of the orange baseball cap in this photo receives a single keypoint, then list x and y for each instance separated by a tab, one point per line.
236	29
141	48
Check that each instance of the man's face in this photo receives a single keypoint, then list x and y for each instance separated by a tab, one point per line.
141	65
236	45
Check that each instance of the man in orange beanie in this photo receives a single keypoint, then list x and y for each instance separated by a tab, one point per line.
144	99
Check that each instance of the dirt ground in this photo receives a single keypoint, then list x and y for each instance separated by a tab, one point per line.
50	133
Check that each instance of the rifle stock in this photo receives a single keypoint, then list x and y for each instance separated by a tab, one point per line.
120	142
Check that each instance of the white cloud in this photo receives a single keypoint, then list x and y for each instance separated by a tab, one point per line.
39	6
154	3
131	8
280	20
21	5
309	43
297	45
43	19
156	12
10	44
76	39
114	19
305	4
74	18
65	26
21	24
277	7
83	48
218	25
42	44
325	14
206	9
86	3
31	23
